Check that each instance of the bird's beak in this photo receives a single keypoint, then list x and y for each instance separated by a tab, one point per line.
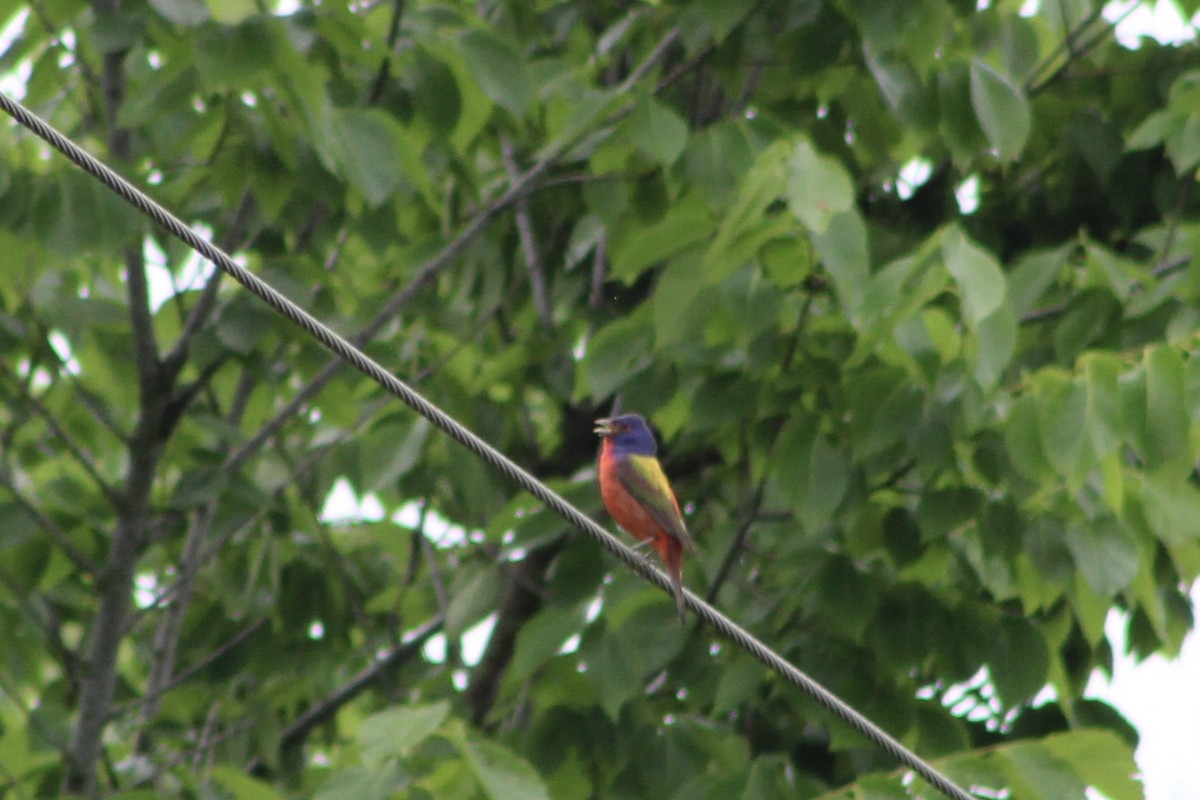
604	427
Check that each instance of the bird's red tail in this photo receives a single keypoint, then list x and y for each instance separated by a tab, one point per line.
671	552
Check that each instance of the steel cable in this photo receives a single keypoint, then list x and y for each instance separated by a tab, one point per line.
501	463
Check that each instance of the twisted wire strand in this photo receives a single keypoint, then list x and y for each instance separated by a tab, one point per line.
497	460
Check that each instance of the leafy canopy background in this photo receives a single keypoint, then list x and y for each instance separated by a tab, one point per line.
926	442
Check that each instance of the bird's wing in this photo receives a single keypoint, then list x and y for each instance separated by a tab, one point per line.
643	477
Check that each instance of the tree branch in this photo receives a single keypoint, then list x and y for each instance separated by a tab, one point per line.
522	599
295	733
533	257
739	540
145	447
77	452
152	697
393	34
116	584
87	399
74	555
208	295
1073	49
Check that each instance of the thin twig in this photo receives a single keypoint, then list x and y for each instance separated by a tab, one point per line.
78	452
296	732
76	556
739	540
182	677
208	295
529	246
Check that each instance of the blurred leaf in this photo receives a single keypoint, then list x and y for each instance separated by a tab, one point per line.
811	474
394	448
739	681
474	598
618	351
1001	108
396	731
1151	132
243	786
685	224
1167	420
356	783
1101	758
231	12
182	12
369	152
657	130
1039	774
541	638
1062	423
1106	554
977	274
997	341
818	187
498	68
502	773
1019	662
844	253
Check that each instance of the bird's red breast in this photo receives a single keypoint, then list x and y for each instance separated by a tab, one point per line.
623	506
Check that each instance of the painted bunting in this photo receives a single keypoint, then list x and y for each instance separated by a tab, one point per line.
638	496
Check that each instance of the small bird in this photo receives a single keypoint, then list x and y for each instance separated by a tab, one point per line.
638	496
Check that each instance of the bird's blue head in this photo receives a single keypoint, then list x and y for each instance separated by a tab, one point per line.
629	434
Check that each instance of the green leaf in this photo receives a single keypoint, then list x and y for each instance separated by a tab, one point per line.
957	120
1167	420
1170	505
368	152
679	288
686	223
979	278
1062	423
996	342
182	12
1038	774
502	773
1033	276
1001	108
657	130
474	598
740	679
811	473
1102	372
722	16
717	159
1020	661
499	70
1102	758
618	351
844	596
231	12
394	448
614	667
396	731
845	255
540	638
1183	144
1091	610
241	785
357	783
1106	554
818	187
1151	132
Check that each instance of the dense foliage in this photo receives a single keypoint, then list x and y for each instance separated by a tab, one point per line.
908	290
